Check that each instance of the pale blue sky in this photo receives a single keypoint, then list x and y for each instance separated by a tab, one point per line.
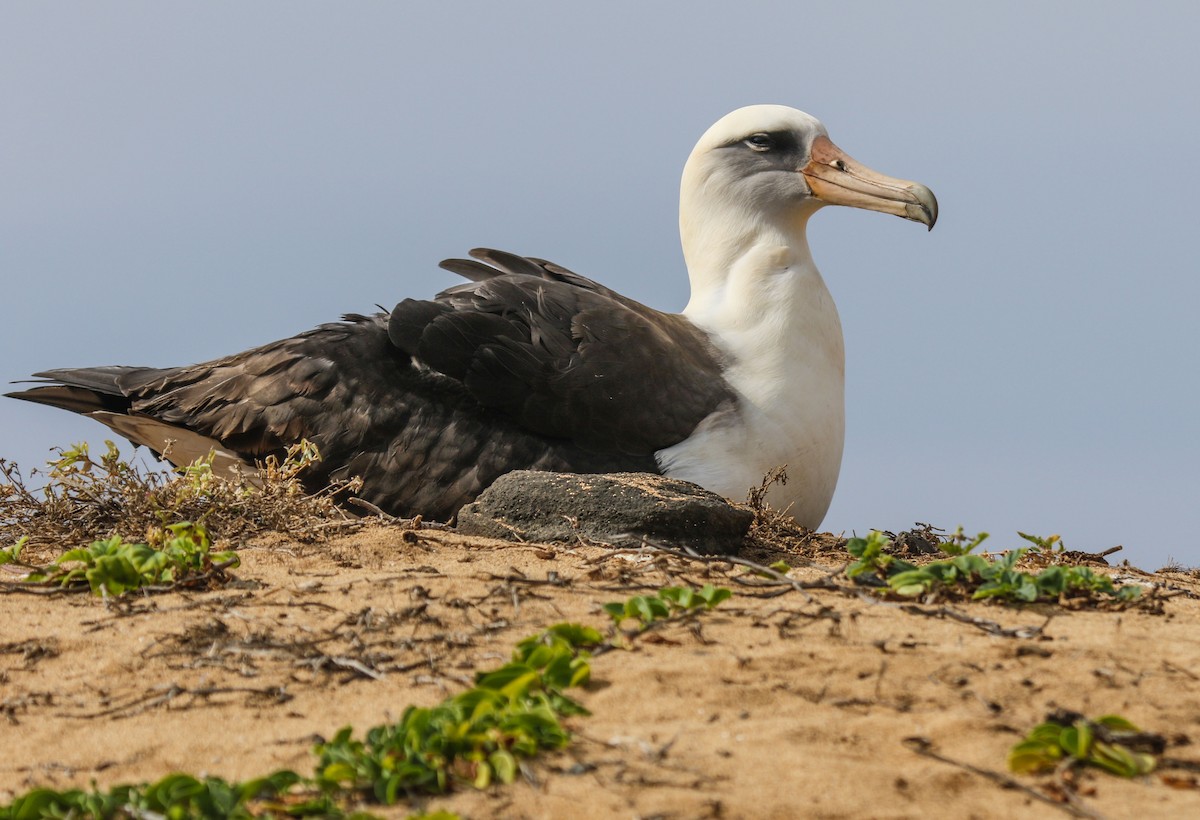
181	181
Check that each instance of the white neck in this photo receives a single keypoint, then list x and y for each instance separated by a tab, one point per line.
756	291
734	264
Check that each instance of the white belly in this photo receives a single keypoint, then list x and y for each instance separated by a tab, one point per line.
734	448
775	323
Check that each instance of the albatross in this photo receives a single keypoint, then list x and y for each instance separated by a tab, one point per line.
528	365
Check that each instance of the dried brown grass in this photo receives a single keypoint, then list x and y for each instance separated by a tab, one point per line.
85	497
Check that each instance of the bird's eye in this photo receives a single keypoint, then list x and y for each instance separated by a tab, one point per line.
760	142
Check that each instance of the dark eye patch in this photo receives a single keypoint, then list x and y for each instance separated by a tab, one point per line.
768	142
760	142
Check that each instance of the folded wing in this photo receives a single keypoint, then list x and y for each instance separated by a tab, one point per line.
525	366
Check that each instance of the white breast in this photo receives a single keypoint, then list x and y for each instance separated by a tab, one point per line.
786	364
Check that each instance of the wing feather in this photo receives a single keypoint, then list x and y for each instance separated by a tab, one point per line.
526	366
564	356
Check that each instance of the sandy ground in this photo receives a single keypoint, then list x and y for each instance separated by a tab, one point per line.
820	704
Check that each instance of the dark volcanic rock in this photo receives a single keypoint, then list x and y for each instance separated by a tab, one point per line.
618	508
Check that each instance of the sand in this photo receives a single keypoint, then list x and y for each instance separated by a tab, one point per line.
825	703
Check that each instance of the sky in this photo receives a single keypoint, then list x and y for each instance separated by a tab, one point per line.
183	181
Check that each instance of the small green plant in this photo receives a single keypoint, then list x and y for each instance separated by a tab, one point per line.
998	578
646	609
958	543
1110	743
475	737
870	555
85	496
113	566
1050	545
13	554
175	796
77	460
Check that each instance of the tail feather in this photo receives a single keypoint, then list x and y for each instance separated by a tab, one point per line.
87	389
76	399
100	379
177	444
115	380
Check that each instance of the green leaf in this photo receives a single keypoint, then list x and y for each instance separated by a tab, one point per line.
392	786
1033	756
1047	733
174	789
991	589
958	543
505	676
576	635
969	565
273	784
1130	592
680	597
339	772
1026	590
504	765
1049	742
1052	581
615	610
649	609
13	553
870	554
1119	760
1076	740
81	554
857	547
1116	723
40	803
112	574
483	775
714	596
565	671
916	582
1052	543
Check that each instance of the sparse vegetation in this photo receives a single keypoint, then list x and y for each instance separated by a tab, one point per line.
1110	743
156	533
475	738
158	525
963	573
180	556
85	497
669	602
176	796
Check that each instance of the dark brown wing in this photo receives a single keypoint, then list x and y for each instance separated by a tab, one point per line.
564	356
529	366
